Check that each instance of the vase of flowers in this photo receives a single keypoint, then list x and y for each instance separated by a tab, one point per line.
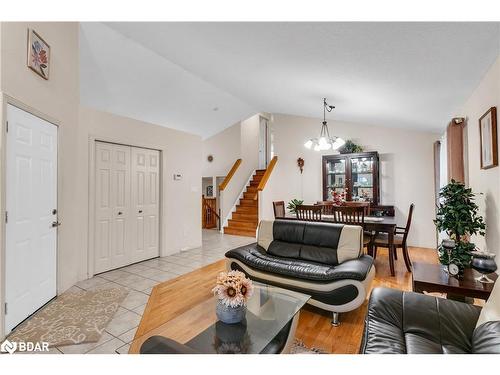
232	290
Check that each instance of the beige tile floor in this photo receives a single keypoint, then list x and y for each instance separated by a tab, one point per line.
140	278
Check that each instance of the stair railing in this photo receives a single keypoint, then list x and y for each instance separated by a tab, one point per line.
230	175
261	195
265	177
209	217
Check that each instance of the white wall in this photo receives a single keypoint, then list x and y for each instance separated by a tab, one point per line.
57	100
225	147
238	141
406	168
486	181
181	153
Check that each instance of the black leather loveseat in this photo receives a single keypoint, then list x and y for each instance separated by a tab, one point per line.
400	322
322	260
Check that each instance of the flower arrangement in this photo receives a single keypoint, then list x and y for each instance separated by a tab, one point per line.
337	197
233	289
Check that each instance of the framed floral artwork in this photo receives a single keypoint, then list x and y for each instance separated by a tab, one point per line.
488	139
38	54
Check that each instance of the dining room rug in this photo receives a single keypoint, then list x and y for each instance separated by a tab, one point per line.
72	318
298	347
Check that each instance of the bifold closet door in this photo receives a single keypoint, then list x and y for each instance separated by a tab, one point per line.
127	194
145	204
113	210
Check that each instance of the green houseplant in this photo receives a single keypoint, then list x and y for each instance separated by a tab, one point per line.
457	215
350	148
292	205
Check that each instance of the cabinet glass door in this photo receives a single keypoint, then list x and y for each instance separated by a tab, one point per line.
335	177
362	179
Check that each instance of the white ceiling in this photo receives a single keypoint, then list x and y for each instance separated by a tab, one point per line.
406	75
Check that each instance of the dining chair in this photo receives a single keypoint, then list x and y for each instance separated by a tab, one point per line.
279	209
309	212
365	205
326	207
400	240
352	215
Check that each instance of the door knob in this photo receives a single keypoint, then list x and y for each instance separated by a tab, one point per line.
54	211
120	213
140	211
55	224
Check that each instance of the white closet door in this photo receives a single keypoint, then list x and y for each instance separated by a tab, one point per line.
145	204
112	197
31	205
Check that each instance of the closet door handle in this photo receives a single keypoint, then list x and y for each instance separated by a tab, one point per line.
120	213
140	211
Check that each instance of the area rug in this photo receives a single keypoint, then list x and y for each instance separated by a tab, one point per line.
72	318
298	347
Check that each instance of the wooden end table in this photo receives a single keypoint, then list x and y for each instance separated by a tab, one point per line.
432	278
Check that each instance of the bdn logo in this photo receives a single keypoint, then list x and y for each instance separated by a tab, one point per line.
21	346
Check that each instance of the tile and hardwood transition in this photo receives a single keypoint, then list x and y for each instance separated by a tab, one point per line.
139	279
173	297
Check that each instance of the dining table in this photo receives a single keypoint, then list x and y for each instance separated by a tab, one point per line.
379	224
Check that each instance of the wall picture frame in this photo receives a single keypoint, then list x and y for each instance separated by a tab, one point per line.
38	54
488	139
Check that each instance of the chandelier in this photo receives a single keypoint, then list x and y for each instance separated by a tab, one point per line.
325	141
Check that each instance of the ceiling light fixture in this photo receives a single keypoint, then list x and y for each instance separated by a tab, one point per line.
325	142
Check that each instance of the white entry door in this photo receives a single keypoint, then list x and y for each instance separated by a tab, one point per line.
126	205
31	217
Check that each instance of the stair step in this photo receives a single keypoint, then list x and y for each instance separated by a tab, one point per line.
248	202
251	189
250	195
254	183
242	216
246	209
240	232
242	224
260	171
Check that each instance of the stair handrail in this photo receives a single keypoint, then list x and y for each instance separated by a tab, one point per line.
265	177
230	175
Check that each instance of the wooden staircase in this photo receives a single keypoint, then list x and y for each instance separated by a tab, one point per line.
245	219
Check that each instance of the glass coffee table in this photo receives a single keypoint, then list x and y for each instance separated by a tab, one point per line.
272	315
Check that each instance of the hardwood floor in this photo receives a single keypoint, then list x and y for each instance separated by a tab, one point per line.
170	299
315	329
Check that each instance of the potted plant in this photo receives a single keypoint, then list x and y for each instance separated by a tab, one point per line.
457	215
233	290
292	205
350	148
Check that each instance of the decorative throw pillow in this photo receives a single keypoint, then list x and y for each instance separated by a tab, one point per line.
491	309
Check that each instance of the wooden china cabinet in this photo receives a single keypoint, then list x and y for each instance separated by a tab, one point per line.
358	174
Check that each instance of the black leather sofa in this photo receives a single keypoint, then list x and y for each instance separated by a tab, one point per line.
323	260
400	322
